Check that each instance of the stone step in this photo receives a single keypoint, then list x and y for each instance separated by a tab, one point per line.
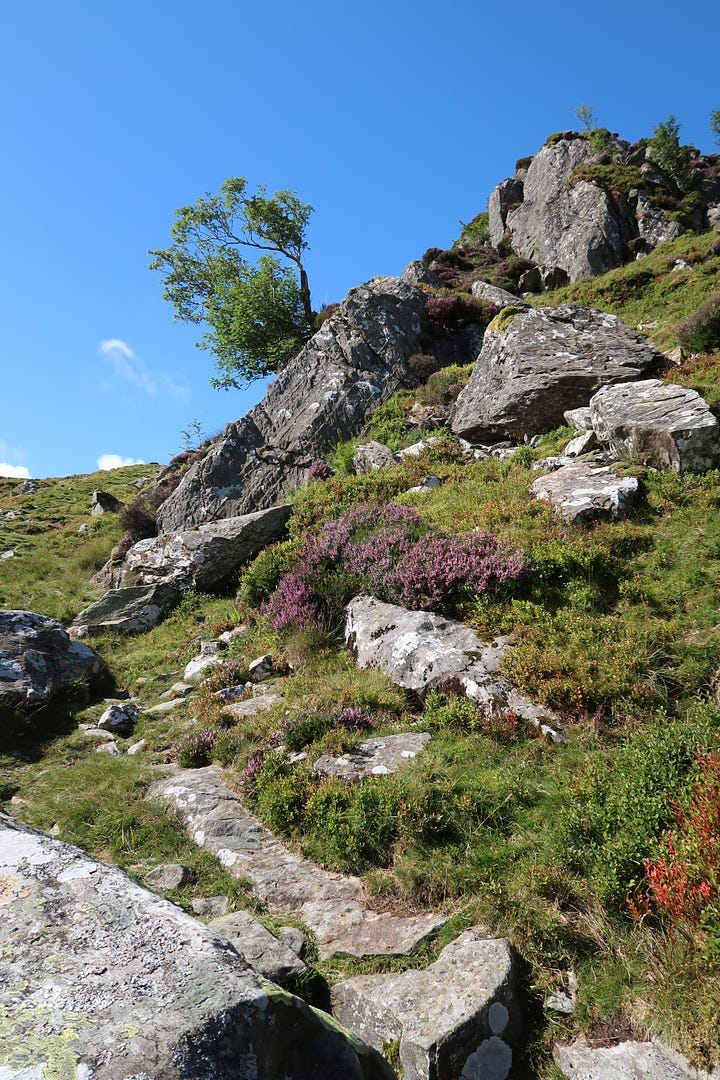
334	906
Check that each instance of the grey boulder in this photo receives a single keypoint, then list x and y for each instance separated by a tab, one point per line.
659	424
109	981
374	757
265	953
585	491
626	1061
457	1020
543	363
501	298
38	658
327	393
131	610
422	651
203	558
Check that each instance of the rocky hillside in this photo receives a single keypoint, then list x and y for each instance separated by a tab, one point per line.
380	736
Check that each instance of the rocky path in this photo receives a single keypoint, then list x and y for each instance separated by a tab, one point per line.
334	906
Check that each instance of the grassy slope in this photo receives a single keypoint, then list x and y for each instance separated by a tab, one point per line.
618	627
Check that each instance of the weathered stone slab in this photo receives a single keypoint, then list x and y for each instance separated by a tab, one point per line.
120	719
38	658
254	705
265	953
373	455
332	905
662	425
583	491
457	1020
422	651
542	363
206	557
483	290
327	393
103	979
126	611
626	1061
374	757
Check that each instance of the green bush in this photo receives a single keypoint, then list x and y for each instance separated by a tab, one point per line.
700	332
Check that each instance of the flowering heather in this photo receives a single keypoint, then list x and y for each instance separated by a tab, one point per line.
195	750
353	719
248	781
229	673
388	552
319	470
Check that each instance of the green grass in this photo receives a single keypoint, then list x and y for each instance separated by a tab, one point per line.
617	626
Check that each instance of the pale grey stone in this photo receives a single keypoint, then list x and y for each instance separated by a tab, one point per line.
264	952
126	611
261	668
110	747
626	1061
168	876
119	719
583	444
664	426
136	747
482	290
503	198
293	938
178	689
38	658
546	361
374	757
428	483
104	503
210	907
254	705
418	448
203	558
210	655
579	419
164	707
458	1018
428	416
126	985
333	906
422	651
581	492
372	455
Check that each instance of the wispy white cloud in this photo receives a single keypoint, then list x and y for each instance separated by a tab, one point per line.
14	470
114	461
127	365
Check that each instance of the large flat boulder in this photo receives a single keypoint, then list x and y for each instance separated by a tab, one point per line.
585	491
422	651
456	1020
203	558
105	980
357	359
664	426
626	1061
543	362
131	610
38	658
334	906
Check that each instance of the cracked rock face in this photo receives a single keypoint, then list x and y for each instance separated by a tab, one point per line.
584	491
662	425
544	362
356	360
103	980
38	658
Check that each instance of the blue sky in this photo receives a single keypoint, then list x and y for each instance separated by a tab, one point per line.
394	119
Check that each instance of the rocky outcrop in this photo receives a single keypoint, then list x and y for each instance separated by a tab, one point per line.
585	491
374	757
456	1020
590	221
421	651
38	659
334	906
664	426
327	393
542	362
104	979
262	950
626	1061
204	558
126	611
501	298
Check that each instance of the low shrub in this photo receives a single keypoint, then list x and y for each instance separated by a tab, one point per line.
388	552
196	749
229	673
137	521
700	332
319	470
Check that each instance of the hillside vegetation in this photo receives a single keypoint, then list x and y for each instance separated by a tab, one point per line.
597	858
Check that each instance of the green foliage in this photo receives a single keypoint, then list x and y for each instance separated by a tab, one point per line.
258	315
700	332
503	319
614	178
261	577
623	804
584	114
665	150
477	229
715	124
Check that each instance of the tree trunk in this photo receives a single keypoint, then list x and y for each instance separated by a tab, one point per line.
305	295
